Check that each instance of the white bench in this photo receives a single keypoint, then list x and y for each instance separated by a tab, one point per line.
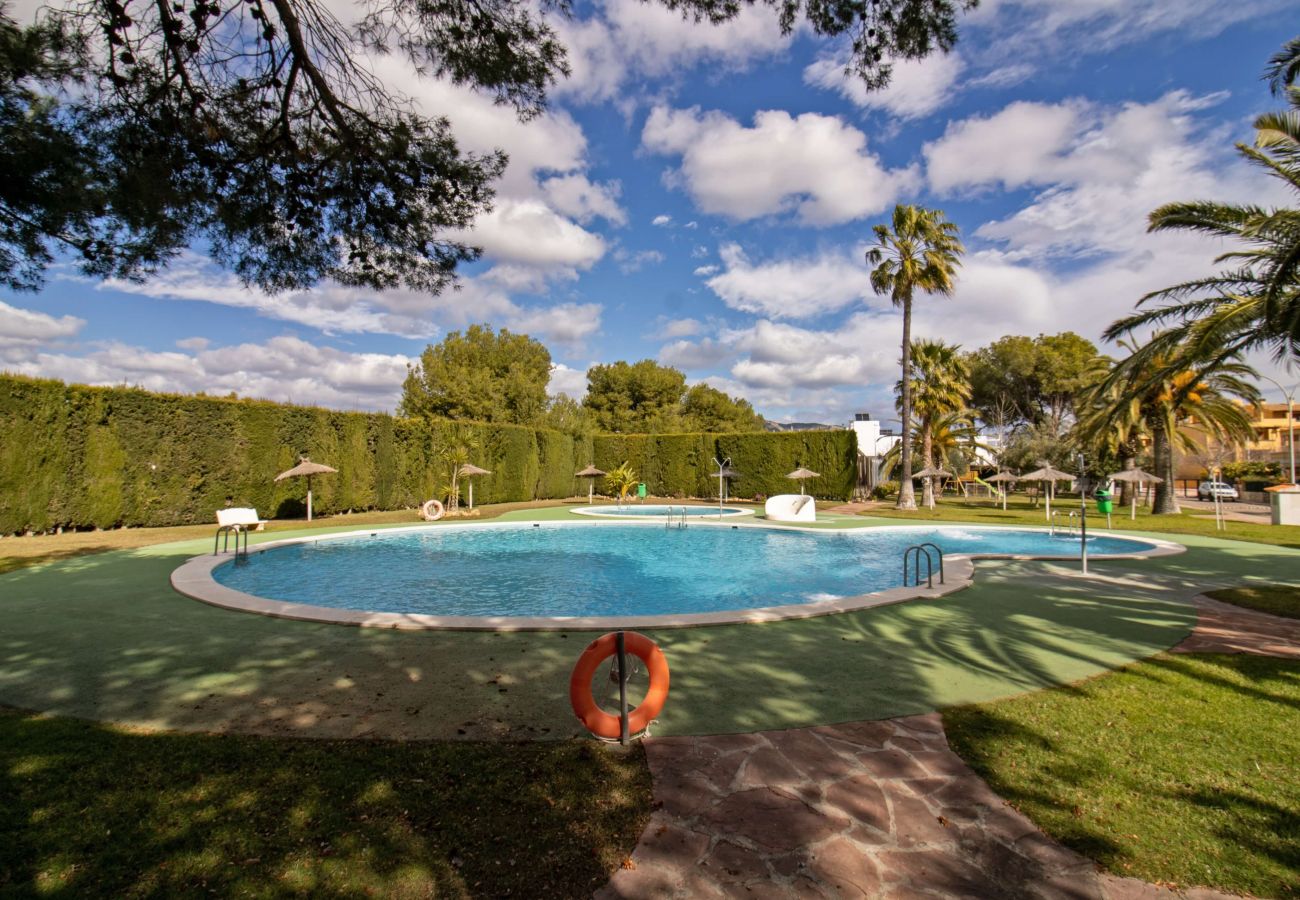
236	520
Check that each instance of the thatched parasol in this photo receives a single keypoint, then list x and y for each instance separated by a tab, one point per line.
306	468
932	472
801	474
1003	477
593	473
1051	476
1135	477
469	470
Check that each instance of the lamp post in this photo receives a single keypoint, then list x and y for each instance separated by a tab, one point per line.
1290	417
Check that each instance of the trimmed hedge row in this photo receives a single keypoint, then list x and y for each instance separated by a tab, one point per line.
76	456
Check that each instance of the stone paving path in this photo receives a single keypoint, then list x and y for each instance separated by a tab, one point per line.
1224	628
873	809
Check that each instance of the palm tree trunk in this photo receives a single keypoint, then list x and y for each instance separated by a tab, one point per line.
1165	502
927	454
906	496
1126	488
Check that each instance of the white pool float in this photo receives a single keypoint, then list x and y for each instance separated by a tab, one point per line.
790	508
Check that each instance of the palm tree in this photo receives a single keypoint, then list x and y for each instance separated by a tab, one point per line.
455	453
940	387
954	440
922	252
1162	397
622	480
1256	302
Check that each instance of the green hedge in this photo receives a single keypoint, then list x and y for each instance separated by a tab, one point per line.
76	456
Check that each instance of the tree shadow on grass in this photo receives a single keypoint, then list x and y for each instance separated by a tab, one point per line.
94	811
1174	769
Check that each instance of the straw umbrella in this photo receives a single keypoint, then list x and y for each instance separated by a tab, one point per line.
1135	477
801	474
469	470
1051	476
593	473
932	472
306	468
1003	477
724	474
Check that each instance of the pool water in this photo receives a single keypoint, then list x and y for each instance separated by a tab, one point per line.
606	569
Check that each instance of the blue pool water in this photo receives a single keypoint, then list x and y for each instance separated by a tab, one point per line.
656	510
606	569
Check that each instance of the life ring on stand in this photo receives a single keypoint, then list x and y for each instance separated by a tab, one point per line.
596	720
432	510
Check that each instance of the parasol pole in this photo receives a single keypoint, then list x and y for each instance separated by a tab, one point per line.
308	498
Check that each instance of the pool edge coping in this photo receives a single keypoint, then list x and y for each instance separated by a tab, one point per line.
193	579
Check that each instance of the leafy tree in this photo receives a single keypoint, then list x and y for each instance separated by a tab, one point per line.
922	252
480	375
1256	303
706	408
940	389
567	415
1019	380
256	129
636	397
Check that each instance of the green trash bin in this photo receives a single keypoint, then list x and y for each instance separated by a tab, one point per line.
1105	502
640	491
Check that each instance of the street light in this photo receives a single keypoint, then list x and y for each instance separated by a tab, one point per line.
1290	420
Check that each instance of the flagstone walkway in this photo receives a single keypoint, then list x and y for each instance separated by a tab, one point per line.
873	809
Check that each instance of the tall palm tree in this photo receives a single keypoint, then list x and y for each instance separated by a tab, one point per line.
940	387
1254	303
921	252
954	441
1169	399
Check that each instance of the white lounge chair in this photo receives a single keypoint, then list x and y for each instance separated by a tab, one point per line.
790	508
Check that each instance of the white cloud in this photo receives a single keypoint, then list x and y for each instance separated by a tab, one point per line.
662	220
21	327
193	343
575	196
283	368
793	288
916	88
1021	144
679	328
630	262
702	354
566	380
814	166
531	233
705	271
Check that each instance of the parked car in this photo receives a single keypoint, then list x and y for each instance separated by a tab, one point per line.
1208	490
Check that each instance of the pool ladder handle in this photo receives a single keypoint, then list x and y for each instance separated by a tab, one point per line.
1071	524
226	531
922	551
680	522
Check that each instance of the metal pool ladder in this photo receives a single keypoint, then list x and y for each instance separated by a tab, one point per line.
917	552
1071	524
680	522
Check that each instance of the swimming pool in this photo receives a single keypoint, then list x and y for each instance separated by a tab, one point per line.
660	511
623	571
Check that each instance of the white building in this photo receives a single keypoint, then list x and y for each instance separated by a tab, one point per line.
874	442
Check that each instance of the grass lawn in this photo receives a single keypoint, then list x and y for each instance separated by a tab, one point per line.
1020	512
1277	599
96	811
1178	769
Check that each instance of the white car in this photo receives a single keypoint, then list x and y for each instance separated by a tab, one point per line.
1208	490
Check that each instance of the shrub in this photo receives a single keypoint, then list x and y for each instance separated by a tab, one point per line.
884	490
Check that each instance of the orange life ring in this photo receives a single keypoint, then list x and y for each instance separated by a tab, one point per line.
599	722
431	511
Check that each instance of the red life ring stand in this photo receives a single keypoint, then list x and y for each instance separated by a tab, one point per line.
595	719
432	510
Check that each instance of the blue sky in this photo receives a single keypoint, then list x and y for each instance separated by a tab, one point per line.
703	196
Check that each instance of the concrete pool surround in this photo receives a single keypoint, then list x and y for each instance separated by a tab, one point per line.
194	579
